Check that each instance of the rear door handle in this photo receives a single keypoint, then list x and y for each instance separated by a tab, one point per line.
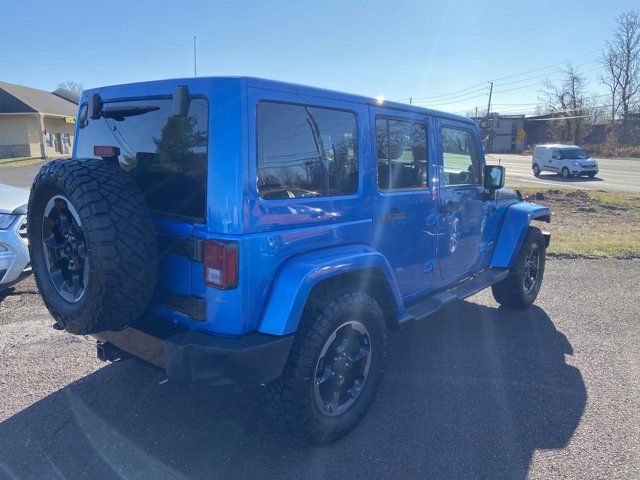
394	216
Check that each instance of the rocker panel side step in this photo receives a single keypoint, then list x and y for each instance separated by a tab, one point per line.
466	288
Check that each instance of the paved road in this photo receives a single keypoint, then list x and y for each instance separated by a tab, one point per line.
616	174
22	176
476	392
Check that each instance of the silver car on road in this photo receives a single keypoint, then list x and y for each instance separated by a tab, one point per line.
14	252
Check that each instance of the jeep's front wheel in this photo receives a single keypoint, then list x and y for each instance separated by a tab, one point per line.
334	368
520	289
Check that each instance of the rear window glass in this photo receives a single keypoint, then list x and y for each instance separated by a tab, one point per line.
165	153
306	151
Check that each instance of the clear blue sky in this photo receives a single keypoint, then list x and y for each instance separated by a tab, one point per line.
398	49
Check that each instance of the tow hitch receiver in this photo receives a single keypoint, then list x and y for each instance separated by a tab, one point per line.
107	352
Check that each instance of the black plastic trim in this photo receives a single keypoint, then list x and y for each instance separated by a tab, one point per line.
193	307
198	359
192	248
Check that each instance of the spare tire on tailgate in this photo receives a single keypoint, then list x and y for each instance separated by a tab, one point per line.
92	244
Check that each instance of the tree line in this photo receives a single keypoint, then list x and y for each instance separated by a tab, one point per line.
574	112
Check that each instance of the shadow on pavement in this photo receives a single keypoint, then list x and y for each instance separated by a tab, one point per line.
472	392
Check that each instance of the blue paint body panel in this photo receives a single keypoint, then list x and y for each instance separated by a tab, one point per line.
514	228
300	274
287	246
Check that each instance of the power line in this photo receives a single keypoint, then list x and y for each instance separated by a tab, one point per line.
426	104
452	93
475	88
544	75
546	67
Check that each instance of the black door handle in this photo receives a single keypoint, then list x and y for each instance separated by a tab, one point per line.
394	216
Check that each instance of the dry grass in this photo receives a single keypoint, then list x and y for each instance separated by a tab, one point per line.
593	224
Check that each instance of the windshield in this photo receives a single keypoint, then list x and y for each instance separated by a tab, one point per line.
166	154
574	153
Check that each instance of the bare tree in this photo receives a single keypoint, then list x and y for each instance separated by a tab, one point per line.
621	62
71	86
567	100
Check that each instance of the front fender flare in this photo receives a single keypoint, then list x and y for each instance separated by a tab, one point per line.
514	228
300	274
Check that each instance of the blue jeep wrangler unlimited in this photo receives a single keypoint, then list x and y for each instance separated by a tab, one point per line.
239	231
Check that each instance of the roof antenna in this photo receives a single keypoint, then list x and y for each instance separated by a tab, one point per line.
195	58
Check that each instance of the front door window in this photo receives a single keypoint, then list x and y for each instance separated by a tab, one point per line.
462	212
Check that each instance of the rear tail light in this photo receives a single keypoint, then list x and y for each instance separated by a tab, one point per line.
105	151
221	264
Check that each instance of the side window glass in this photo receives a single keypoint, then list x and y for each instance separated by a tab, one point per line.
306	151
402	154
460	158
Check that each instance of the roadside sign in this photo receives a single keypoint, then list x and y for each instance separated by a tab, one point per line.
522	133
69	120
484	123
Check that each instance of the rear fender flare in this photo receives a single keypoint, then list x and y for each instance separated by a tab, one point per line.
298	276
514	229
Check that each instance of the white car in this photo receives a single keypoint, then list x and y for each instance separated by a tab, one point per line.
14	252
565	160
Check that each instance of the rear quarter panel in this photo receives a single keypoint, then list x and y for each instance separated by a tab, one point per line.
271	231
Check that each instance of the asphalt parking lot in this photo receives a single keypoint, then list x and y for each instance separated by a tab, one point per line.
475	392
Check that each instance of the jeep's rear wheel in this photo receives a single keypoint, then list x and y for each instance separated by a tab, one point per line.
520	289
334	368
92	244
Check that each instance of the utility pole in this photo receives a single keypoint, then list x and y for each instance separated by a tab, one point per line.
489	104
195	59
410	100
487	119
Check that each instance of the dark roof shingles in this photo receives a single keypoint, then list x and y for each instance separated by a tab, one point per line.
19	99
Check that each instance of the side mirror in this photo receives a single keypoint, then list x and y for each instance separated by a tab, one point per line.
181	101
493	177
95	107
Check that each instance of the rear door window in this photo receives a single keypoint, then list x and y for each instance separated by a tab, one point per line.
402	154
306	151
166	154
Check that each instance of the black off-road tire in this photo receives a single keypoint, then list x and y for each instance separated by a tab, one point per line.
591	174
511	291
119	237
290	399
536	170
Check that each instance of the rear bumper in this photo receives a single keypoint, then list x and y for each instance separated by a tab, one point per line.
198	359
